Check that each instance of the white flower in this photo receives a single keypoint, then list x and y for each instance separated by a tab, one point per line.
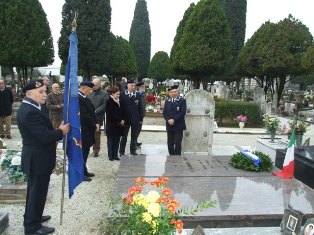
16	161
1	158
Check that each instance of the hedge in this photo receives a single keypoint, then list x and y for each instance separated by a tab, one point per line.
230	109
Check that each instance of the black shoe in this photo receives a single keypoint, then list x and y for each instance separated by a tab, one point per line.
89	174
138	144
2	136
122	154
117	159
45	218
111	159
43	230
8	137
134	153
95	155
86	178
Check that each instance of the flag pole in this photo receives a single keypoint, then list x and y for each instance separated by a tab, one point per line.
74	24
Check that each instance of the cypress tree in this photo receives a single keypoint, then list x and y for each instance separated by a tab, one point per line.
159	67
93	30
26	40
204	49
174	60
122	58
140	37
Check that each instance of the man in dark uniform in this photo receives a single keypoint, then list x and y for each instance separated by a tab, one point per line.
174	114
141	92
132	105
88	123
38	153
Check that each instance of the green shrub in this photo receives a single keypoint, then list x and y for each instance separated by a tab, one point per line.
240	161
230	109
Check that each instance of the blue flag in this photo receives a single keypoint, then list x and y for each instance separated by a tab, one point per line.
71	115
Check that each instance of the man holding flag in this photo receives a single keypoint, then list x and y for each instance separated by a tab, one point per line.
288	165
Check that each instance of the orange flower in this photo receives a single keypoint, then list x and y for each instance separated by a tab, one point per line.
128	199
167	192
162	200
156	183
179	226
172	221
135	189
171	208
140	180
174	203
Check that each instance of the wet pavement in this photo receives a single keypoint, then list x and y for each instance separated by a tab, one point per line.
244	199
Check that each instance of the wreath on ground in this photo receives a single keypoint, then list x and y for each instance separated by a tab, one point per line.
239	161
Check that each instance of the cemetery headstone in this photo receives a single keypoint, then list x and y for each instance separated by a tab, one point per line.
198	230
4	221
198	136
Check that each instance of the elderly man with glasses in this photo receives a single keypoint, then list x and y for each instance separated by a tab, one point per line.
54	103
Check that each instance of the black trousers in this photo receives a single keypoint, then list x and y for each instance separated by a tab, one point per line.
85	156
113	146
37	189
134	132
139	131
174	140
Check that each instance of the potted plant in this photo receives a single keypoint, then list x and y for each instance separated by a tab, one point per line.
271	124
300	126
241	119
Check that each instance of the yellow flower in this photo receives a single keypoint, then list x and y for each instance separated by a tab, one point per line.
154	226
140	200
147	217
152	196
154	209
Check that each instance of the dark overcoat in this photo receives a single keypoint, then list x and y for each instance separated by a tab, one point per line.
175	110
39	138
132	108
114	115
6	101
88	121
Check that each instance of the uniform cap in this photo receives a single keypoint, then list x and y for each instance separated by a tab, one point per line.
33	84
87	83
173	87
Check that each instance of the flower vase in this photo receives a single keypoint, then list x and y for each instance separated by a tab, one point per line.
272	135
298	140
241	125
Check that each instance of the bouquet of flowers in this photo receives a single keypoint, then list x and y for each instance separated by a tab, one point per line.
299	125
271	122
148	208
10	164
241	118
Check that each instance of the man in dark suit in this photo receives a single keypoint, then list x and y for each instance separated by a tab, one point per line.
141	92
174	114
88	123
132	105
38	153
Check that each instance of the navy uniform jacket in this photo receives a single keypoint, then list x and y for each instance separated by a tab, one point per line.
132	108
88	121
39	138
175	110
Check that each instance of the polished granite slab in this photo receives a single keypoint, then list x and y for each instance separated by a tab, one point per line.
243	198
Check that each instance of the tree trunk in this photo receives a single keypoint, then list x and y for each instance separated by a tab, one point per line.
282	82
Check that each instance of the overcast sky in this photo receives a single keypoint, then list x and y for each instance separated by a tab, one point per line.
165	15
